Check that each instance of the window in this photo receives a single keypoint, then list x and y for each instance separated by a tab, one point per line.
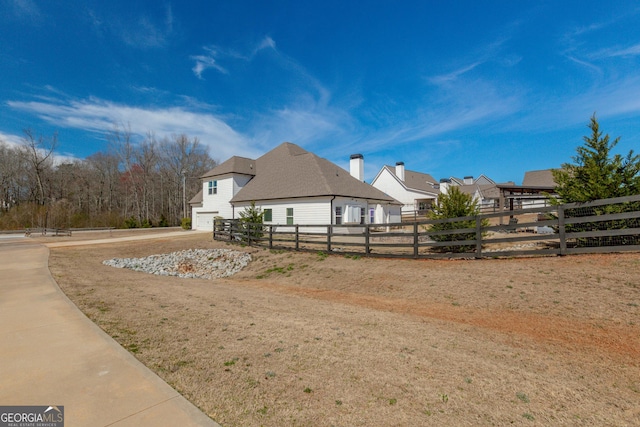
338	215
213	187
424	205
372	216
268	215
362	215
352	214
289	216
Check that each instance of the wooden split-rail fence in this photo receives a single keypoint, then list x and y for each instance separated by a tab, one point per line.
609	225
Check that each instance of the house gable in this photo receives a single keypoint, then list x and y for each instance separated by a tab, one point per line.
415	192
219	185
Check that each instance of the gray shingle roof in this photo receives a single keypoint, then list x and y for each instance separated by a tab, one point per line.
239	165
487	191
417	180
289	171
197	199
540	178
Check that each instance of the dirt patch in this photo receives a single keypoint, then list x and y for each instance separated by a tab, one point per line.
310	339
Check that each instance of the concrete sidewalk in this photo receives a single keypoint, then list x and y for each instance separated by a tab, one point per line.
51	354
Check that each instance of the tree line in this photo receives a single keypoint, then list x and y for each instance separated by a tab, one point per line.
132	183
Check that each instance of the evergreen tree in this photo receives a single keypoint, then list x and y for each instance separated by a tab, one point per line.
454	204
251	222
595	174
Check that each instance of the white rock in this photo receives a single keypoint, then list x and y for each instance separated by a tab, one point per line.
205	263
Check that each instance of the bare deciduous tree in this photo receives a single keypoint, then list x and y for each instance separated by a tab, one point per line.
136	177
38	154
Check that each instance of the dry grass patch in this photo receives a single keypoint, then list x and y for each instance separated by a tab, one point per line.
310	339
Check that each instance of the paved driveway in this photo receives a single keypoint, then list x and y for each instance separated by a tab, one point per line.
51	354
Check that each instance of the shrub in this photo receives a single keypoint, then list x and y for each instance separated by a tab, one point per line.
131	222
163	221
186	223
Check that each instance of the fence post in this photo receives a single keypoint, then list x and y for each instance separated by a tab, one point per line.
562	232
271	237
415	239
478	236
367	236
297	237
329	229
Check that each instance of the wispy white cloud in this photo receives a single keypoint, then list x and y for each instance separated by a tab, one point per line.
589	65
213	54
15	141
147	32
142	32
265	43
204	62
309	125
618	97
453	75
579	42
101	116
486	53
10	139
618	52
26	10
431	126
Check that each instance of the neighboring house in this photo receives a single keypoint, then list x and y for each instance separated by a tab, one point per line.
415	190
534	192
292	186
483	189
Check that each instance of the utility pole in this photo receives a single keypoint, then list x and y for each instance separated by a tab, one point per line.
184	195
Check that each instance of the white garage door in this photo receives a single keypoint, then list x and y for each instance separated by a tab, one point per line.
204	221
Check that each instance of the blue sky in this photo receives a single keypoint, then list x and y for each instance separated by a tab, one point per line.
450	88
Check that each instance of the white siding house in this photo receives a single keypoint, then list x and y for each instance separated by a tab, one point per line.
416	191
291	186
218	187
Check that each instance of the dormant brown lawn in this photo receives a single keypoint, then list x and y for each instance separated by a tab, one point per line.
309	339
